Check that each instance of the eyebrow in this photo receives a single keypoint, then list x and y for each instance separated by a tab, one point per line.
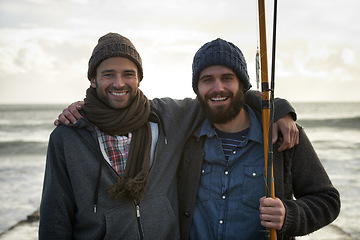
112	70
222	75
130	71
205	76
107	71
228	75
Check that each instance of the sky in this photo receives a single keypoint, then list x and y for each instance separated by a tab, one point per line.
45	45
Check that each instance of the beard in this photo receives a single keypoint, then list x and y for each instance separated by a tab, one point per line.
221	114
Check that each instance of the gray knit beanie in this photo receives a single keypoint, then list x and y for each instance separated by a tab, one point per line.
220	52
114	45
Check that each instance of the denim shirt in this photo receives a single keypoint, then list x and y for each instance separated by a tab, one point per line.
227	205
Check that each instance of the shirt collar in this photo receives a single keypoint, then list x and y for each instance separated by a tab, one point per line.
254	134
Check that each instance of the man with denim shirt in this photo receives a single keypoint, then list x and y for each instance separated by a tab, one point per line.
221	174
221	178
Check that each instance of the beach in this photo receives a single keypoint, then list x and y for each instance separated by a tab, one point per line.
333	128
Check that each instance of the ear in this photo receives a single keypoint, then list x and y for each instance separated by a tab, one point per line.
93	82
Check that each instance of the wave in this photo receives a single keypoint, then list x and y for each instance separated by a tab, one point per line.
344	123
23	148
13	127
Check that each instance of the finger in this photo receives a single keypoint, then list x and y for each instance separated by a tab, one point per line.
272	213
275	133
284	143
274	225
63	119
265	201
297	136
272	220
294	136
73	113
261	200
79	105
66	117
274	205
56	122
287	138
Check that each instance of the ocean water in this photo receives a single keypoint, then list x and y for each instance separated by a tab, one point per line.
24	133
333	128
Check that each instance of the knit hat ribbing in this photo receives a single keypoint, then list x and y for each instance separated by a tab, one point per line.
220	52
114	45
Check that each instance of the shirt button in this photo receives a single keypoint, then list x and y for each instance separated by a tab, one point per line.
202	171
223	197
226	172
254	174
234	152
221	221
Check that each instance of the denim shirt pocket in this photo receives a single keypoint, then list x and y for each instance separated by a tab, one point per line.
253	185
205	183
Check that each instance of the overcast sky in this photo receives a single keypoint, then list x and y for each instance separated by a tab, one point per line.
45	45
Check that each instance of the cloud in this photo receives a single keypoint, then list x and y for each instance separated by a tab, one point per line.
45	45
348	56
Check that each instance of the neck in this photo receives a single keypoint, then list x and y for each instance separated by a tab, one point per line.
239	123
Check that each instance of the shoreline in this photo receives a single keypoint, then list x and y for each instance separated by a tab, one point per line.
27	229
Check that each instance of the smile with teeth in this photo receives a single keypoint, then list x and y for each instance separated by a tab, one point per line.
117	93
218	99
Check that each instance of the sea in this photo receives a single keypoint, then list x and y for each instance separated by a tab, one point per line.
333	128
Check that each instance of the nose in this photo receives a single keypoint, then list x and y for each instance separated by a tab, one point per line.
218	85
118	81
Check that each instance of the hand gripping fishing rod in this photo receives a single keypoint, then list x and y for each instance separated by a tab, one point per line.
267	104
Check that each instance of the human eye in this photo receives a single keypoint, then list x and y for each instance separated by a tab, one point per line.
206	79
228	77
130	74
107	74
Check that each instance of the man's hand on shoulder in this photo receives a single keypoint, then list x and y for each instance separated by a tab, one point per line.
70	114
289	131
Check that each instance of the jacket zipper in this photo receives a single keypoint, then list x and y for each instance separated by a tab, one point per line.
140	228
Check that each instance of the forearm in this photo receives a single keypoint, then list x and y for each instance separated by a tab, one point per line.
308	214
317	200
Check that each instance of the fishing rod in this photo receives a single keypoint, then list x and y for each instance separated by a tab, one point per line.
267	104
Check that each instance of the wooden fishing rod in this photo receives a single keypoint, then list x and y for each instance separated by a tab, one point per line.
267	105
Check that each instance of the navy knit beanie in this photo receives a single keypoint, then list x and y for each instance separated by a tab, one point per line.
114	45
220	52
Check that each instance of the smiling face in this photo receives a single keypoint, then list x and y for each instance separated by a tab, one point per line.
116	82
220	93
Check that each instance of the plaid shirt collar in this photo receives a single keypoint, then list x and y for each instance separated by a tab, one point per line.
115	149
